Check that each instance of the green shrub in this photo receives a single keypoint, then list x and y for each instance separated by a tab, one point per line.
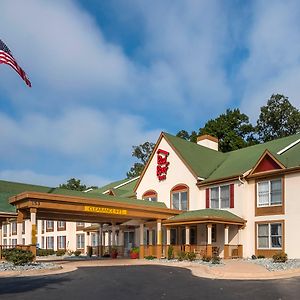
206	258
215	260
191	256
260	256
19	257
60	252
280	257
170	252
77	252
135	250
150	257
181	256
45	252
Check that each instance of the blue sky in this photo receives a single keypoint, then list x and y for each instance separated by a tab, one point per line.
107	75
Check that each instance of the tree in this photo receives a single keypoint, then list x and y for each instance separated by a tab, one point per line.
232	129
142	153
186	136
279	118
73	184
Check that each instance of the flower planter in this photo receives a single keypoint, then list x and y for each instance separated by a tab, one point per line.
134	255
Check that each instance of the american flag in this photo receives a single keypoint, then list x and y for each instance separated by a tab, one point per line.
6	57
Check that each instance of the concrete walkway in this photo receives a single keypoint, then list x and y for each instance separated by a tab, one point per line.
230	269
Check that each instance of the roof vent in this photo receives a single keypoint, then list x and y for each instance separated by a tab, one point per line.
208	141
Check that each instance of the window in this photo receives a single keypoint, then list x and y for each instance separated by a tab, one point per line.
23	241
43	226
80	241
13	228
5	242
269	236
61	225
269	192
193	236
220	197
179	197
50	242
150	196
43	242
49	226
5	230
14	242
23	227
61	242
173	236
94	239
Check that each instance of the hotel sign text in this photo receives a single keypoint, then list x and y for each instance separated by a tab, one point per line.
105	210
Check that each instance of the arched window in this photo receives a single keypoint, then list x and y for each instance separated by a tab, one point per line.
180	197
150	195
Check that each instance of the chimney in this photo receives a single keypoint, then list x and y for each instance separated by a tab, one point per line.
208	141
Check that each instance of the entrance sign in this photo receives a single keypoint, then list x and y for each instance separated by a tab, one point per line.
162	164
105	210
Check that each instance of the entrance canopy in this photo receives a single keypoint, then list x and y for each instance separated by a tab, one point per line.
73	206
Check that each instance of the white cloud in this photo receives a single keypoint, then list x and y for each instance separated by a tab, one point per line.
273	65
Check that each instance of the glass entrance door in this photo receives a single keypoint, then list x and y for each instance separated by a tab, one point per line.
128	242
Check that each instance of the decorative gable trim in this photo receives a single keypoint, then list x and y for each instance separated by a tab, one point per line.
267	163
154	152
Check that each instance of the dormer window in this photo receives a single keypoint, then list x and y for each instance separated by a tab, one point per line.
150	195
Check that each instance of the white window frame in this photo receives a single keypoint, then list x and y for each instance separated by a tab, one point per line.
48	227
61	238
180	202
269	193
61	225
219	194
80	240
50	238
270	236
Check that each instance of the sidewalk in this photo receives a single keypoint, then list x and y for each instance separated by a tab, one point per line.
231	269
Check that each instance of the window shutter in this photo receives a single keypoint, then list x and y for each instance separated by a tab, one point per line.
232	195
207	198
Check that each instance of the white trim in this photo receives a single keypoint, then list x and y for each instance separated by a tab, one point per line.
201	178
288	147
122	184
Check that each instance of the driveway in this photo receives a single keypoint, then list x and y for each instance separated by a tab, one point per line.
143	283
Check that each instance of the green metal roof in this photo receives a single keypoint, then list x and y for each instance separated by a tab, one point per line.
9	189
202	160
60	191
206	214
213	165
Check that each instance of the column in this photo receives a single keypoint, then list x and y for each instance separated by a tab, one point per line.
187	238
240	245
209	245
113	234
1	241
20	219
150	241
33	230
226	243
99	243
142	248
159	240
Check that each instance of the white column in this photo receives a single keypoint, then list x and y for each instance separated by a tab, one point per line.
100	235
168	236
1	241
113	234
226	234
150	236
159	234
33	225
141	234
109	237
19	233
240	236
209	232
187	235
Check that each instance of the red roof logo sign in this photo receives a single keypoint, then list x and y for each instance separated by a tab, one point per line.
162	164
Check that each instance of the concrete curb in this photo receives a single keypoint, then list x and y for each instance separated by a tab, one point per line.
199	270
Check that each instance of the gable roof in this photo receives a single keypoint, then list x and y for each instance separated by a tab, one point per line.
209	165
122	188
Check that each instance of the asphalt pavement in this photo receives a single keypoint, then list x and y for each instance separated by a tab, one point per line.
143	283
